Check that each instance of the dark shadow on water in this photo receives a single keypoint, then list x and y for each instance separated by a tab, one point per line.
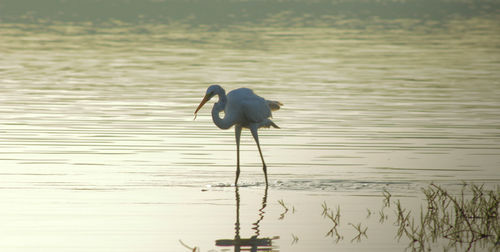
253	243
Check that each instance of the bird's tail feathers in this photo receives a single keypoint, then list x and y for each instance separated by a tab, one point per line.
268	123
274	105
274	125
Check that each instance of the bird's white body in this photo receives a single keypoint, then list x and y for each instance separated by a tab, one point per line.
243	109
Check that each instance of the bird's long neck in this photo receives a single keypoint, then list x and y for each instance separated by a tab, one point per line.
226	122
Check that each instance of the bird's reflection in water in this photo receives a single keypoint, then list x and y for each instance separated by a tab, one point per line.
253	243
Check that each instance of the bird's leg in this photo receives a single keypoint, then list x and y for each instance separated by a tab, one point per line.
237	134
255	135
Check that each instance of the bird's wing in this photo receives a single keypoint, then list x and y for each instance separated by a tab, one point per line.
249	107
255	109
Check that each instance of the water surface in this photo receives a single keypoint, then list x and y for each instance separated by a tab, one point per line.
97	137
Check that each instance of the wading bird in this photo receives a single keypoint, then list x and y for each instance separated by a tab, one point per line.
243	109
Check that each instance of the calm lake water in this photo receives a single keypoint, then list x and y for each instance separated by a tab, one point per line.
99	150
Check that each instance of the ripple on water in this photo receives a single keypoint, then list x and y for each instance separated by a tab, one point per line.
379	105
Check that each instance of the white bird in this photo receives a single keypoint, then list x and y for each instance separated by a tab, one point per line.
243	109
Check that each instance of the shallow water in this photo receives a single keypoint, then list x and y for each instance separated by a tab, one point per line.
97	130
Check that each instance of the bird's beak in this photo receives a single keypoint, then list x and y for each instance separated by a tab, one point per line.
205	99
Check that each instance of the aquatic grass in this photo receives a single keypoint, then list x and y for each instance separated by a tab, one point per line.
465	220
361	232
382	216
282	215
387	198
387	204
335	218
369	213
295	239
403	220
325	209
192	249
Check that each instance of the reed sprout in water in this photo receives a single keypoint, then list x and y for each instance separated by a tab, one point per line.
361	231
193	249
295	239
335	218
282	203
387	198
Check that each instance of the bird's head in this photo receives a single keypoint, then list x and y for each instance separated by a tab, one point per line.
211	92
